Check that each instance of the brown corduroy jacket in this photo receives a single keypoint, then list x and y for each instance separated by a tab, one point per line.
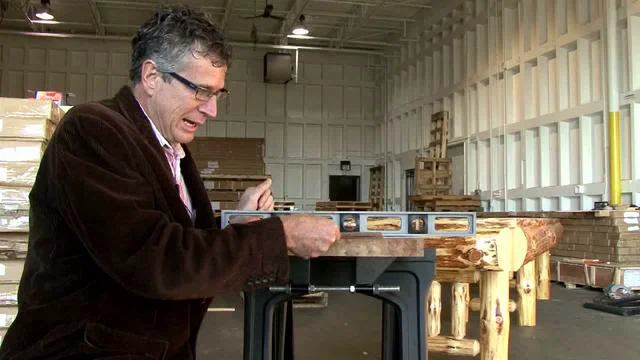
115	267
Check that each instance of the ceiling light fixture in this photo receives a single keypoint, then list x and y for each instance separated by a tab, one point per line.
44	12
300	29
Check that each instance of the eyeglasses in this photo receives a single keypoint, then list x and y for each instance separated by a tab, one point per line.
202	94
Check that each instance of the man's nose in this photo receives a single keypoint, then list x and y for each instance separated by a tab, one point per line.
210	108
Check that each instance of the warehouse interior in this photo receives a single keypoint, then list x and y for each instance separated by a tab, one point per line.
536	99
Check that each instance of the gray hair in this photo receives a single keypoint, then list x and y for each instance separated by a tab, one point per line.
171	34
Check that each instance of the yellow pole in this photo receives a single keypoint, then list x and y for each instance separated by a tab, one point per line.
614	158
613	93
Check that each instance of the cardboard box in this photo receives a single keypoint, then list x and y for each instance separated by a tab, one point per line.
11	270
13	245
14	220
8	313
30	108
28	118
14	197
21	150
18	173
24	127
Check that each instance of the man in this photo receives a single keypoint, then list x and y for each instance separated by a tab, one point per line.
123	255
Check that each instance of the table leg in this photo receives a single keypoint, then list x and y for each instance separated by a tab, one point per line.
494	315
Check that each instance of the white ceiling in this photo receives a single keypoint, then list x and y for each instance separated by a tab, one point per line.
356	24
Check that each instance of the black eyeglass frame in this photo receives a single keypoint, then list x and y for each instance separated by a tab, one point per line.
201	94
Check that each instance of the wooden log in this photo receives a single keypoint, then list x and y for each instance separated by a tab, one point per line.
496	243
527	237
434	309
459	310
452	276
474	305
543	264
494	315
468	301
449	345
527	294
542	235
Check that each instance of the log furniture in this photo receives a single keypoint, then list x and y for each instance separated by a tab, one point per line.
501	246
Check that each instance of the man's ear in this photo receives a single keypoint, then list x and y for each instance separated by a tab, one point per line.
150	77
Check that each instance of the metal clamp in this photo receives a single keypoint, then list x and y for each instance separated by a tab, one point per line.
310	289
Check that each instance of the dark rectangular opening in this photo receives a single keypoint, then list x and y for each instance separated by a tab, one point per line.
410	178
344	188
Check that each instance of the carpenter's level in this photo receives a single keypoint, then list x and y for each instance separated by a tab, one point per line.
386	223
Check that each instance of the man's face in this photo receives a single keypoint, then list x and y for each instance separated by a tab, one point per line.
178	113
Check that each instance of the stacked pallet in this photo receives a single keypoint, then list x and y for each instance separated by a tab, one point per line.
228	166
25	127
224	191
376	188
596	245
432	176
284	205
228	156
343	206
439	135
446	203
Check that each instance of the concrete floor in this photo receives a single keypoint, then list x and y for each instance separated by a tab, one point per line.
349	328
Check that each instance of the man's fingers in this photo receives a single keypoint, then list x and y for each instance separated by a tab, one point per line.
262	199
265	202
268	204
264	186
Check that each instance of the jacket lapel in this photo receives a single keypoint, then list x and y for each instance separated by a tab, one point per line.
160	171
191	175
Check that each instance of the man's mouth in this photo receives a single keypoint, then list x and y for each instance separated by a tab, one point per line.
190	124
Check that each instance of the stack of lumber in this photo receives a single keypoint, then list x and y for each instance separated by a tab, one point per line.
224	191
26	125
376	188
228	156
432	176
343	206
284	205
446	202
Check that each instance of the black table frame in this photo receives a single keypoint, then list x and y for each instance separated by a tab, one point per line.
268	323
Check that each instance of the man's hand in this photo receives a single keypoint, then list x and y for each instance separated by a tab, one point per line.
309	236
257	198
254	198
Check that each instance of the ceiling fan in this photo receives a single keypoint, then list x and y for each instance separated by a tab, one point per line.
268	9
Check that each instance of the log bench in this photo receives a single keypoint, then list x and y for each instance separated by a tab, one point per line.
501	246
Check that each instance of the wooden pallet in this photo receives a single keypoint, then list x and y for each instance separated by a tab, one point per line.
594	273
446	202
284	205
376	188
232	182
439	135
311	301
432	176
343	206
